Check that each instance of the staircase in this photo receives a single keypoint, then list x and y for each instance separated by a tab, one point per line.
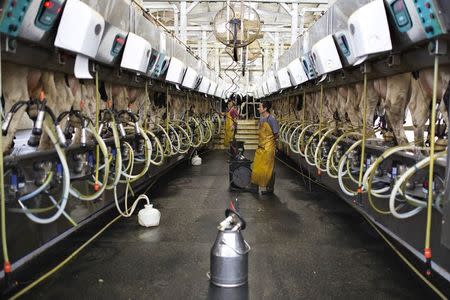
247	131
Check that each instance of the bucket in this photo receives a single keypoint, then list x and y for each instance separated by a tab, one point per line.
229	254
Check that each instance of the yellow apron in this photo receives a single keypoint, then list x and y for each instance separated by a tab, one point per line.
264	157
229	131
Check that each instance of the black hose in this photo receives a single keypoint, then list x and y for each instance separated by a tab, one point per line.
18	105
132	115
50	112
62	116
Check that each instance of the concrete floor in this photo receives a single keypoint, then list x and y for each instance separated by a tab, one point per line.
305	245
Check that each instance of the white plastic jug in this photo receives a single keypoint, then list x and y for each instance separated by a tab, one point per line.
149	216
196	160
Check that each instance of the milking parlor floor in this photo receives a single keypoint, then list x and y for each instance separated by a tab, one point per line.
305	245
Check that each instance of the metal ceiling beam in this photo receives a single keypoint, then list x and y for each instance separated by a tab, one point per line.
208	16
268	13
192	6
168	6
183	21
294	23
157	5
176	19
306	10
270	36
209	28
285	7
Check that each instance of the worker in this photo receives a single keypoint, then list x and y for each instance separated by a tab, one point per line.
231	117
262	175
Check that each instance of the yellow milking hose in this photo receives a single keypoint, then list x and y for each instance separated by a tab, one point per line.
186	145
321	111
168	143
368	176
330	160
77	194
349	172
65	184
208	134
304	105
288	133
344	161
159	149
147	98
147	153
118	164
200	133
175	150
396	251
6	263
400	182
341	173
97	124
301	139
364	133
291	139
310	140
427	250
318	151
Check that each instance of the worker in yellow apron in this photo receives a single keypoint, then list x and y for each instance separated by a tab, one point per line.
263	164
231	117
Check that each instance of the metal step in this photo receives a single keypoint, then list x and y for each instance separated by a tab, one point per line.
246	131
244	137
247	147
253	143
247	128
252	122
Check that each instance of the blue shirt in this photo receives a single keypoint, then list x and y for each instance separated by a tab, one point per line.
272	122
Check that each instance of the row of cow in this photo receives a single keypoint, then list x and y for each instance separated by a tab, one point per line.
388	98
64	92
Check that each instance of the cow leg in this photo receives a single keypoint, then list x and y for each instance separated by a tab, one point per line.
396	102
420	110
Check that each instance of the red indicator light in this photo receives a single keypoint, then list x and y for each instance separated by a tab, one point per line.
48	4
120	40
